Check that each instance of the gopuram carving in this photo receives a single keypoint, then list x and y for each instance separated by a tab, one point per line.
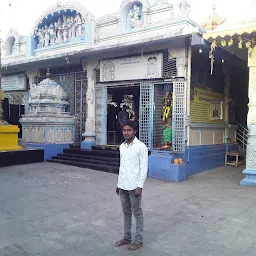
60	29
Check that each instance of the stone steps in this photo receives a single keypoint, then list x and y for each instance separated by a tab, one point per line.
86	160
98	158
98	167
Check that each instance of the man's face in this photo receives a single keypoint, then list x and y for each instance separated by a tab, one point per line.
128	132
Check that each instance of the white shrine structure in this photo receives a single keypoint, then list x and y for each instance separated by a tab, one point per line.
47	120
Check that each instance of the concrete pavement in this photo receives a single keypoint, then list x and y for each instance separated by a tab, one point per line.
51	209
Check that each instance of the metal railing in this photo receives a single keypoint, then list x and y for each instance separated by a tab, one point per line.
242	135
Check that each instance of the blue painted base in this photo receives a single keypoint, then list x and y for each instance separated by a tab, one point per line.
87	144
161	167
204	158
50	150
250	179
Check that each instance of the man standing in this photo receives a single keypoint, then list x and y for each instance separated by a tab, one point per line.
132	175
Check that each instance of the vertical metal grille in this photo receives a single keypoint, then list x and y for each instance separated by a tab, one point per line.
146	114
97	75
101	114
158	108
170	67
179	115
80	104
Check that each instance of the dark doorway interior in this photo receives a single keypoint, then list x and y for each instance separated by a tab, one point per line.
118	97
12	114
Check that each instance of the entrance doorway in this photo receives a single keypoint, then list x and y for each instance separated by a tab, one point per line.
119	98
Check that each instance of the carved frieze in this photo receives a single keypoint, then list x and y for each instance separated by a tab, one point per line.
59	28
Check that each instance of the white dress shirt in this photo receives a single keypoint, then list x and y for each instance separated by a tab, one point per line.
133	165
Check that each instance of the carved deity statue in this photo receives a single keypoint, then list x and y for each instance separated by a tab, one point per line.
136	12
184	9
52	31
40	35
46	36
65	28
60	31
135	16
72	29
79	25
56	32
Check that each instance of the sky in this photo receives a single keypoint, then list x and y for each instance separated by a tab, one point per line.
23	14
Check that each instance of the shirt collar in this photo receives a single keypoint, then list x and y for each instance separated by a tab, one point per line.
135	141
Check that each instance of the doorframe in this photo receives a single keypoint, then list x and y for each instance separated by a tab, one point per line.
117	86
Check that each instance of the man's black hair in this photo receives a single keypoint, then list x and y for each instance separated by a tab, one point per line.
131	124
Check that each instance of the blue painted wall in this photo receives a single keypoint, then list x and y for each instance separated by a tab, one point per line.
203	158
161	167
50	150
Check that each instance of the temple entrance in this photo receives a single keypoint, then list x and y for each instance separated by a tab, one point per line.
125	99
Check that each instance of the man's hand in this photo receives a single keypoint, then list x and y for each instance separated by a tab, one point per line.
138	191
117	191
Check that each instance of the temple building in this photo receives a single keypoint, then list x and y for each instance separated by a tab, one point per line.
149	59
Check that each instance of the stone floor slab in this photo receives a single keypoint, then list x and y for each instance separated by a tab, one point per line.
50	209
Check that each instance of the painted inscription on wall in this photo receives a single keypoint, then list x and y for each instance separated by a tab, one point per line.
14	82
132	68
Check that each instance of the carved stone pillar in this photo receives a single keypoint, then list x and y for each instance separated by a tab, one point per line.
227	74
90	134
31	74
182	62
250	171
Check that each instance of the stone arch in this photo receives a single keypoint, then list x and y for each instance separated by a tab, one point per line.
126	4
125	8
9	45
60	7
11	41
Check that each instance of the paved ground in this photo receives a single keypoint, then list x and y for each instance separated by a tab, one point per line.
50	210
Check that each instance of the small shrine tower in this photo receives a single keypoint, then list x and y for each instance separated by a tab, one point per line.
213	20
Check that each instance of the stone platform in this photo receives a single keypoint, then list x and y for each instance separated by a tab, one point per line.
23	156
9	137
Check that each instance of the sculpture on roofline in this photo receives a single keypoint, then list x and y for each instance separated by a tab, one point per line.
61	30
52	31
184	9
135	17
